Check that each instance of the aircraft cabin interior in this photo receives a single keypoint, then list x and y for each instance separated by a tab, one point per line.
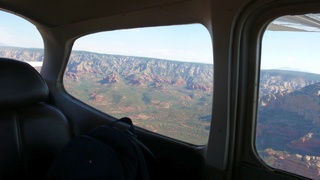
214	89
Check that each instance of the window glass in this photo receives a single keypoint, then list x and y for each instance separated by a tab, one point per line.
161	77
19	39
288	120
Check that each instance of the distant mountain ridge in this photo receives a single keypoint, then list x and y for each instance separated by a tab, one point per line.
23	54
275	83
140	71
135	70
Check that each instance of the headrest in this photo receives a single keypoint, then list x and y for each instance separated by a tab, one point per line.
20	84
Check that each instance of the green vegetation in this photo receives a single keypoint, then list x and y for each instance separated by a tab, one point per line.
166	97
171	112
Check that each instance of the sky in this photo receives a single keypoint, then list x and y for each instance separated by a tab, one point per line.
191	43
183	43
291	50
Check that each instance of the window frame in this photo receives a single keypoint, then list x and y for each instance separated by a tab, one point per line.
106	113
247	73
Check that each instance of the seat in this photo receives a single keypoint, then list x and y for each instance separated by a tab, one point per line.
32	131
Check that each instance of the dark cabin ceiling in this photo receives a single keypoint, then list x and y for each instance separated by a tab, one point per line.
61	12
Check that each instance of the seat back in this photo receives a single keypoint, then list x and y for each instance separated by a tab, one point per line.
32	131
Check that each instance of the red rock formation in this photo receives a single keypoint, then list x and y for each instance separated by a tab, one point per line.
179	82
112	78
304	105
306	144
307	166
202	87
137	81
72	76
161	79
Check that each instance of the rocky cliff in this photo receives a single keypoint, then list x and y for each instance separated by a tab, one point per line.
304	165
289	117
288	126
277	83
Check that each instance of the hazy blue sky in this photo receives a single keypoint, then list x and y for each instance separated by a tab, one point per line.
291	50
15	31
280	50
185	43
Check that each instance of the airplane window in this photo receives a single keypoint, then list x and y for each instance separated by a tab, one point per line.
288	121
161	77
19	39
